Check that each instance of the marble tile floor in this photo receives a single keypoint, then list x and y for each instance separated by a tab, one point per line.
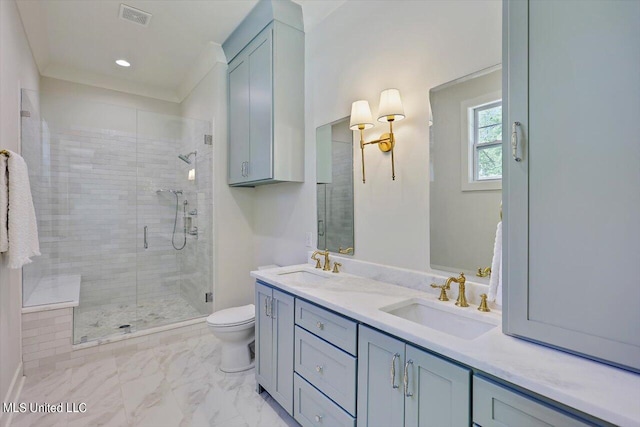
104	320
172	385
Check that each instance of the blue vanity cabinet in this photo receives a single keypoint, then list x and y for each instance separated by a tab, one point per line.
274	344
571	187
401	385
497	406
325	367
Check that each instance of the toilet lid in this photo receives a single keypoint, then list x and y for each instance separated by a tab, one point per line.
233	316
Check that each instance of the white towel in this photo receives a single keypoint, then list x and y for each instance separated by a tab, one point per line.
4	204
495	282
22	228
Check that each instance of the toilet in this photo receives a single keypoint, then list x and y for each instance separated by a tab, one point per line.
235	327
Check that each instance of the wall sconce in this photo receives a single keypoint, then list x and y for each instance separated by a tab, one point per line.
390	110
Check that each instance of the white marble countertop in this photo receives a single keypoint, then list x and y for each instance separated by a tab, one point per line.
602	391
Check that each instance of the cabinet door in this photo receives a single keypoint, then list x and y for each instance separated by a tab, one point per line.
238	119
261	107
283	344
497	406
380	400
264	338
571	232
440	392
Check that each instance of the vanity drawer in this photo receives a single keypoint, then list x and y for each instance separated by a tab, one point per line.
337	330
328	368
495	405
312	408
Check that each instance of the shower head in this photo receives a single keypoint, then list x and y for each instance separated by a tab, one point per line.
185	157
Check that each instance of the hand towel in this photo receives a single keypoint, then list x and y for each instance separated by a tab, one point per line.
495	282
23	229
4	205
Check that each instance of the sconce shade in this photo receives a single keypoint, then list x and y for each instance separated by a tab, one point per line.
360	115
390	105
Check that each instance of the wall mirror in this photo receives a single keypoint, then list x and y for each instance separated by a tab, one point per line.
334	172
466	171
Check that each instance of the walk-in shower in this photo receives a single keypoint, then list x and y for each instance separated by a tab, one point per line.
99	174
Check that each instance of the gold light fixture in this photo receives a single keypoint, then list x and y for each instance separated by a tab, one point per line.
390	110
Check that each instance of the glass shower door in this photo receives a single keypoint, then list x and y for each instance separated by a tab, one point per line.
173	192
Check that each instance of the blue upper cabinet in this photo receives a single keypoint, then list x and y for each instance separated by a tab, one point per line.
266	96
572	176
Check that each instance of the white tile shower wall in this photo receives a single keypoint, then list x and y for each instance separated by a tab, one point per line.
46	341
89	216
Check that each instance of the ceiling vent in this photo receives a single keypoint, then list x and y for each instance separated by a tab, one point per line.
134	15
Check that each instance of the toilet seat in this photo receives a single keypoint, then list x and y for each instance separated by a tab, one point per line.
234	316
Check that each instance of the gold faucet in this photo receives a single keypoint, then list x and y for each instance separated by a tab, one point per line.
462	299
327	262
483	272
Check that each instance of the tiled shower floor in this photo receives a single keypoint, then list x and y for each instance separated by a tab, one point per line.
168	385
105	320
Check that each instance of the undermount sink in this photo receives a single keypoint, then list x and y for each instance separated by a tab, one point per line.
304	276
423	313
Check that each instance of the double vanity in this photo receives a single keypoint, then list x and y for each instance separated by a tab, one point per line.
336	349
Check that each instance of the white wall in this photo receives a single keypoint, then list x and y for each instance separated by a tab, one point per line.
360	49
55	88
17	70
232	207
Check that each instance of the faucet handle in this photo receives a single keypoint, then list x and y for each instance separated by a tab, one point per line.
317	260
483	304
443	291
336	266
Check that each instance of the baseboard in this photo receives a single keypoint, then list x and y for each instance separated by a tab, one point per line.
13	394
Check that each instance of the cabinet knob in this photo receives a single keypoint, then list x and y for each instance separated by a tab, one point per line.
319	368
320	325
318	418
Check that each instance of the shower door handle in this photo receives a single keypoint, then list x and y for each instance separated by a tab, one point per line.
146	244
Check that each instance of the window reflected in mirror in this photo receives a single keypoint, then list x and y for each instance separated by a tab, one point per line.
466	171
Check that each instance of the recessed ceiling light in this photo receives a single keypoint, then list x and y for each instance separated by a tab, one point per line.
123	63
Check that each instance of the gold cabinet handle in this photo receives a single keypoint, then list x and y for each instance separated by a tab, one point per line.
345	251
393	370
320	325
319	369
514	141
406	378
